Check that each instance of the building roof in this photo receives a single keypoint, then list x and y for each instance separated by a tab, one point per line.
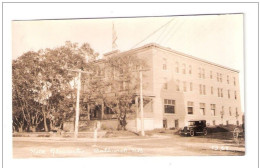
150	45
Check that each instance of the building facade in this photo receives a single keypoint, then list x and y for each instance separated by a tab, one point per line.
179	87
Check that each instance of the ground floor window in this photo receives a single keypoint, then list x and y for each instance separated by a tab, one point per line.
237	123
190	107
227	122
202	109
164	123
213	122
176	123
213	109
169	106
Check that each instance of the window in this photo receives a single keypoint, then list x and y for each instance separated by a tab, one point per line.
235	94
183	68
199	72
214	122
227	79
227	122
229	94
230	111
222	112
177	67
184	87
220	92
177	85
203	73
202	109
220	77
169	106
211	76
190	69
164	66
165	86
234	81
213	109
108	110
200	89
237	112
212	90
204	89
191	86
190	107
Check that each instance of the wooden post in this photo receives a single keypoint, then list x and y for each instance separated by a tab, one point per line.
77	108
88	111
141	103
137	111
102	110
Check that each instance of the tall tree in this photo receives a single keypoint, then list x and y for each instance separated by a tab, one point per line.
43	79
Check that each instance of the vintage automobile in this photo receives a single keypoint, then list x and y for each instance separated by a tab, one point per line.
194	127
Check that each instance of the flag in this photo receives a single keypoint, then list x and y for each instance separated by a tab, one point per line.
114	38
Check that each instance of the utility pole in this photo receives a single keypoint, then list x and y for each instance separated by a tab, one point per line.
76	129
141	100
77	107
141	103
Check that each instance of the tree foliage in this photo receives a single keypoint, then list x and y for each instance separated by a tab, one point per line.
42	83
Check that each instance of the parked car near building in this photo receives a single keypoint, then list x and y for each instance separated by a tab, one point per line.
194	127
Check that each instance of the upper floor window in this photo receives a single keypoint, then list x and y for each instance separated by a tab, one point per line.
230	111
199	72
212	90
237	112
222	113
190	69
177	85
229	94
204	89
191	87
165	85
200	89
227	79
164	66
184	87
211	75
177	67
235	94
220	77
234	81
203	73
183	68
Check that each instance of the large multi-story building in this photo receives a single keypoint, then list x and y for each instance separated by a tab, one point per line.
179	87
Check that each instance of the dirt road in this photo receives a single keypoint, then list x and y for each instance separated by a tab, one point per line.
156	145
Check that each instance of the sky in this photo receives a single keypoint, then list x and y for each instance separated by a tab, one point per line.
216	38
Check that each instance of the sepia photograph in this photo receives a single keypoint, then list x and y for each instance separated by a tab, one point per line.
136	86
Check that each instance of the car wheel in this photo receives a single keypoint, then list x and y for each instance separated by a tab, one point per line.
205	131
192	133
